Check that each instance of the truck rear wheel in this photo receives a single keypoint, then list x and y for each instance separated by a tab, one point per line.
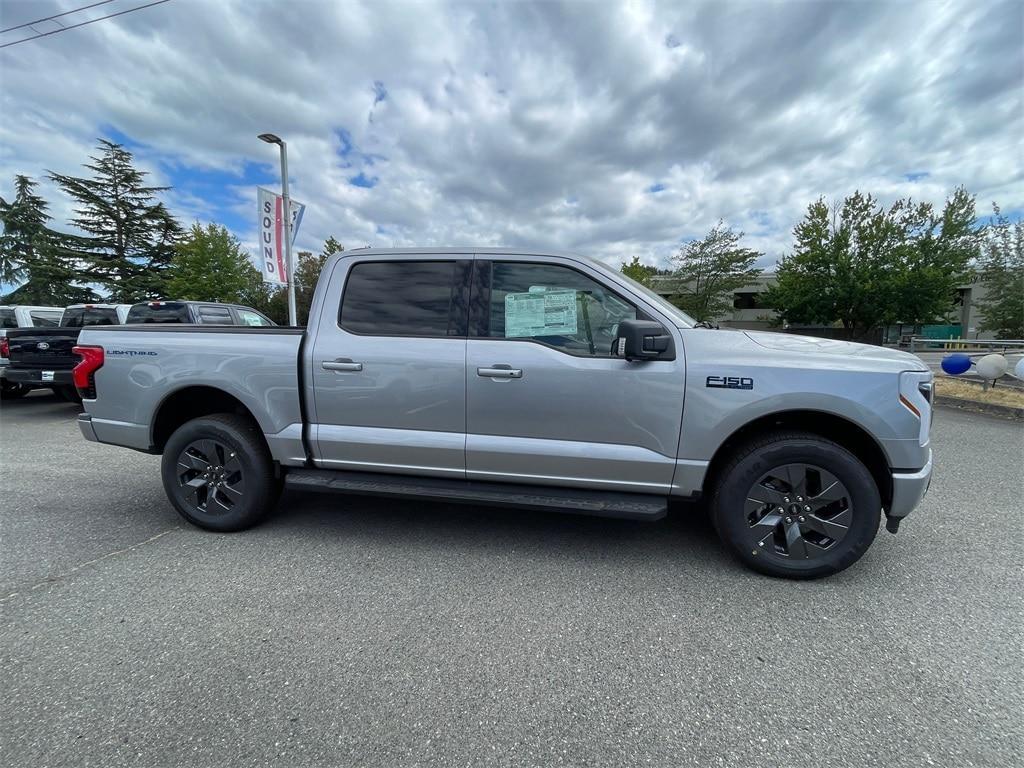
796	505
13	390
68	393
218	474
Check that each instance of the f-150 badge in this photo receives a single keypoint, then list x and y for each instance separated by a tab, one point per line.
730	382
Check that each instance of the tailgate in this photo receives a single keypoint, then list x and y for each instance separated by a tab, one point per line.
48	348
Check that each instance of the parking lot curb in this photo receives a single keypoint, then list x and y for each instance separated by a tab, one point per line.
992	409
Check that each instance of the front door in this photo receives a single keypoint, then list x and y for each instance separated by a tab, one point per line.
547	403
388	368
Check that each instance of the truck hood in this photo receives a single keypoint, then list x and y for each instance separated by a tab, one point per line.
850	351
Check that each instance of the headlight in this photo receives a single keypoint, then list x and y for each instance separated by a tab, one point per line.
916	388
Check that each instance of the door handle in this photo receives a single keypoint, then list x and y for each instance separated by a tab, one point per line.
341	364
500	372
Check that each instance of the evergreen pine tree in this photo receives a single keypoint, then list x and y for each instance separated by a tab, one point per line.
31	251
132	234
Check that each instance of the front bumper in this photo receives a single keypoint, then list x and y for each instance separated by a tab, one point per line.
908	488
34	377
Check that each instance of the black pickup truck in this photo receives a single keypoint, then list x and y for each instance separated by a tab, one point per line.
43	357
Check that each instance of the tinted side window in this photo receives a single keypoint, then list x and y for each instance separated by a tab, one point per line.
405	298
554	305
161	312
215	316
7	319
251	317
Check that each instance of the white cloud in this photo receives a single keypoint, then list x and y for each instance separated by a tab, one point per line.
543	124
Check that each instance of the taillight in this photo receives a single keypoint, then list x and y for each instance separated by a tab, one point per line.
5	347
84	373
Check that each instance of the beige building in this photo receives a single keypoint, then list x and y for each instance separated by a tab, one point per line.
750	313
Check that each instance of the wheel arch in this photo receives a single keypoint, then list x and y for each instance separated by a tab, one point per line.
838	429
193	402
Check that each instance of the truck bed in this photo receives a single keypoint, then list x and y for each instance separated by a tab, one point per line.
147	368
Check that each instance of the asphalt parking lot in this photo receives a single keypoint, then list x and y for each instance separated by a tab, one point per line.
363	632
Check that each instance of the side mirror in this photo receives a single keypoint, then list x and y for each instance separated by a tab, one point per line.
643	340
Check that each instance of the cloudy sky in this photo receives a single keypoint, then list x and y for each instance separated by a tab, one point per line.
601	128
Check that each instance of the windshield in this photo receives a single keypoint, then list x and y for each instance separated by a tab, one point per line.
661	302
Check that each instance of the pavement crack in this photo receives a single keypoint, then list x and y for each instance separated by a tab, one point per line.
61	576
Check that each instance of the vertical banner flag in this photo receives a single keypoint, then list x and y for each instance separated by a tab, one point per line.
271	261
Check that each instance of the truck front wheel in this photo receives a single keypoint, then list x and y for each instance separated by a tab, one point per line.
218	474
796	505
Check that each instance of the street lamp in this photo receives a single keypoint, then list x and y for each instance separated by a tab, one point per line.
286	205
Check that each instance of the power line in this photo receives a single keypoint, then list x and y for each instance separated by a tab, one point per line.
56	16
82	24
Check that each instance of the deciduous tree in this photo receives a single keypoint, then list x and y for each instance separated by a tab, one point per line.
269	299
209	264
865	266
639	271
1001	272
307	273
708	271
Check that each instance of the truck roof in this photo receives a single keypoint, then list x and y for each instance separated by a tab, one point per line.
96	305
149	302
30	306
484	251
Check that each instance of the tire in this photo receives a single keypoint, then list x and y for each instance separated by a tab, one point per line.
796	505
226	460
13	391
68	393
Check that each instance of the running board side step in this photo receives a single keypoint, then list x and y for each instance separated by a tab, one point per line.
630	506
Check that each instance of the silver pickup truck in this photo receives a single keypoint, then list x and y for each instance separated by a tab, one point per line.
497	376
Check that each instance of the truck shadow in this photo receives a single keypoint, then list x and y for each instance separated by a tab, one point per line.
684	534
39	400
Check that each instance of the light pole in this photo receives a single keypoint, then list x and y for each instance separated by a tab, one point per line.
286	205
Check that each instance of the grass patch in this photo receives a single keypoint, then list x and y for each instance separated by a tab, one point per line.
968	390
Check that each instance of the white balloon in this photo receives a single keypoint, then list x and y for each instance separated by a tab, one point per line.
1018	369
991	366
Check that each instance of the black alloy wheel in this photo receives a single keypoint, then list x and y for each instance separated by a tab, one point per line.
218	472
210	476
798	511
796	505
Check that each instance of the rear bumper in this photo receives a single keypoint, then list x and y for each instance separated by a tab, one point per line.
908	488
85	425
123	433
34	377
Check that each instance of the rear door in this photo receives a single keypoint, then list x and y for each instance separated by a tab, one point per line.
388	366
547	403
